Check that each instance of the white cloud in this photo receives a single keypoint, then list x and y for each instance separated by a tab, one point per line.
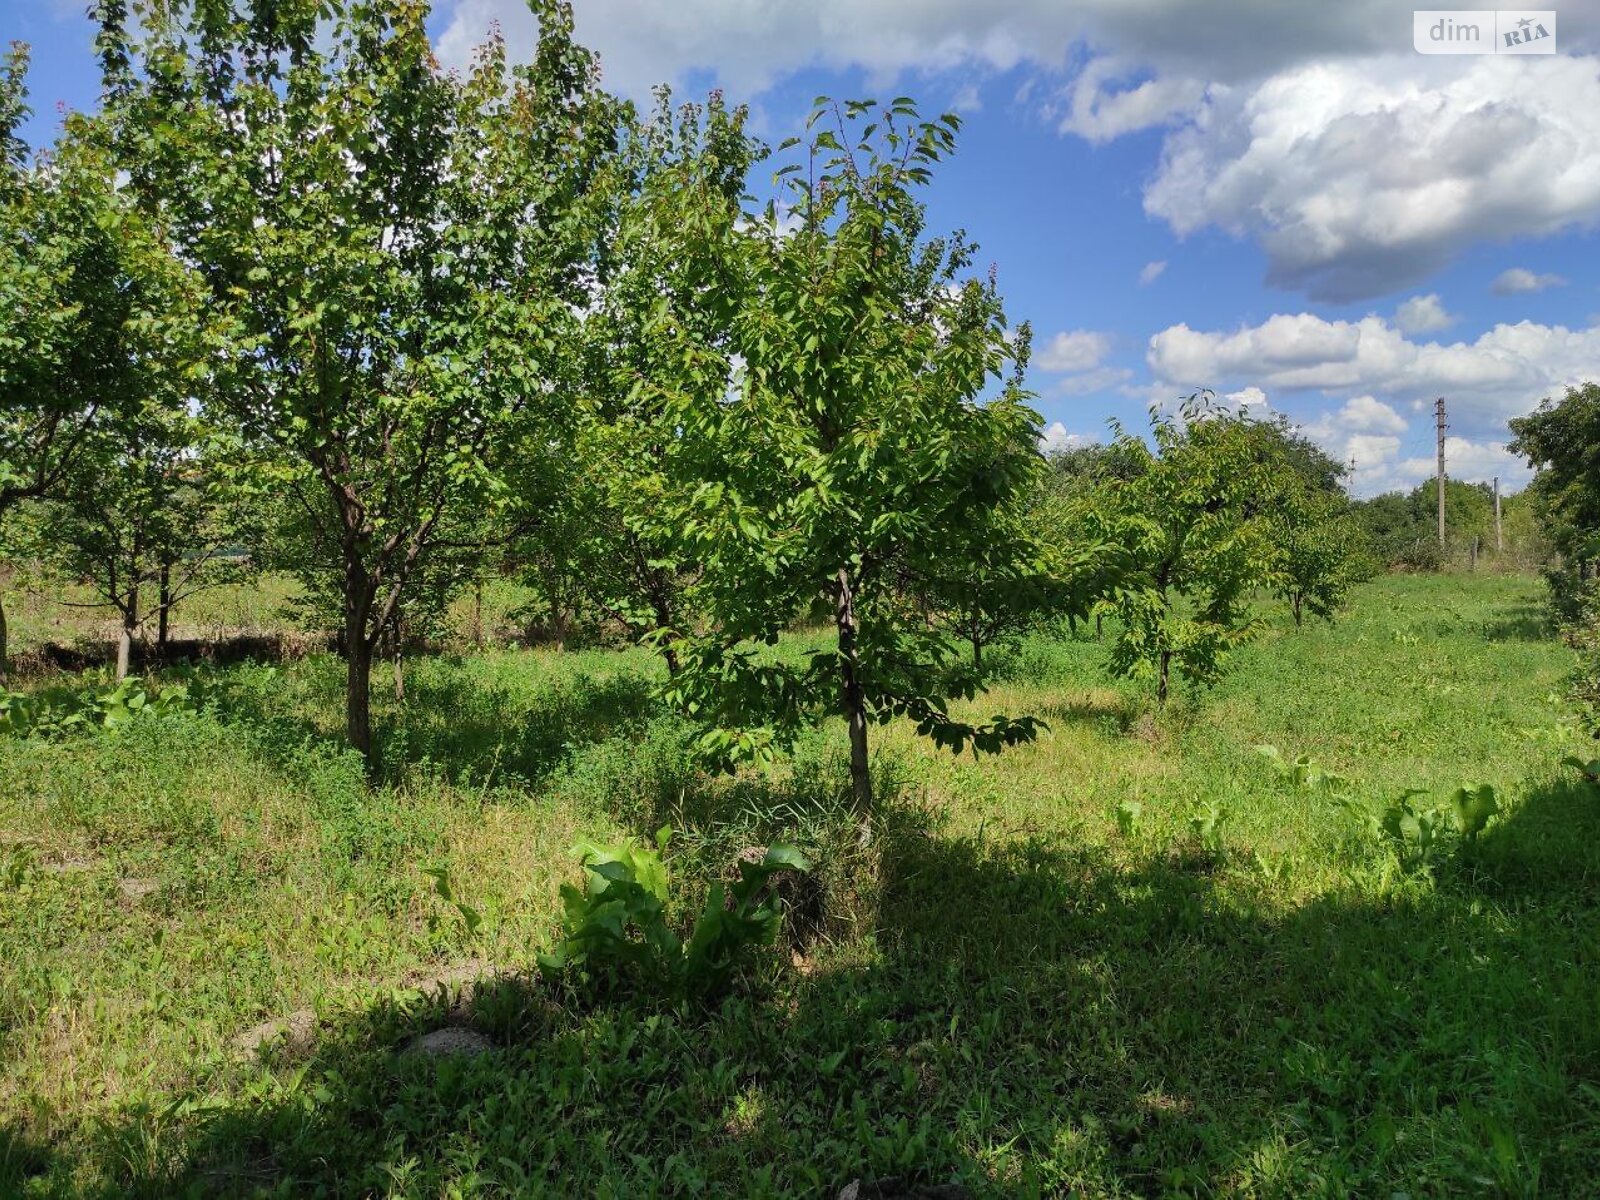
967	100
1473	462
1055	437
1519	279
1360	416
1251	400
747	45
1367	433
1098	109
1101	379
1367	415
1423	314
1501	374
1151	271
1359	177
1358	166
1074	350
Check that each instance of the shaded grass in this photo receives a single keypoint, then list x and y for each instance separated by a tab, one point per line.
1014	993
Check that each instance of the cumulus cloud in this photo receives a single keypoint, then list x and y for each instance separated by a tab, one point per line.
1519	279
1473	462
1104	103
1056	438
1360	177
1250	400
1074	350
1423	314
1359	417
1369	434
1503	373
749	46
1358	166
1151	271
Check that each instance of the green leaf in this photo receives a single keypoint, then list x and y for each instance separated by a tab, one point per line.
1473	806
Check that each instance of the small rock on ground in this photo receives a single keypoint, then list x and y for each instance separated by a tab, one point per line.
296	1030
137	889
68	865
450	1040
895	1188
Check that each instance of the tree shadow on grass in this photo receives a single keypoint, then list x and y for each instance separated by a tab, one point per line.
472	731
1112	712
451	723
1034	1018
1522	621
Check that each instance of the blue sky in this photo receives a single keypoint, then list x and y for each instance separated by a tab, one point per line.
1283	202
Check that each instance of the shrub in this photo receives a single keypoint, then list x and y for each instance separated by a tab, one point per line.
1423	836
617	930
57	711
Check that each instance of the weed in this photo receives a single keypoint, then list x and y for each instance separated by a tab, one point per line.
617	930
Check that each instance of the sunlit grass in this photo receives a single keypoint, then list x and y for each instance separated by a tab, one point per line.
1010	989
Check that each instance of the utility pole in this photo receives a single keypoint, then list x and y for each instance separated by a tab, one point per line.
1352	488
1499	540
1438	420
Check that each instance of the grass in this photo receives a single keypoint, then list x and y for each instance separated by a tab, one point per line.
1009	987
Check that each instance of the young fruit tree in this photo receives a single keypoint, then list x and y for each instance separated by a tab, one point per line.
97	319
1042	556
398	253
841	441
147	518
1321	552
1197	524
608	548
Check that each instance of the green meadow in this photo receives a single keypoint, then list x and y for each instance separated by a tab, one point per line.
1138	957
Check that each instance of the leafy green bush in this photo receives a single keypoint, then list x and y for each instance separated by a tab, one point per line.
56	711
1304	773
617	929
1207	823
1424	836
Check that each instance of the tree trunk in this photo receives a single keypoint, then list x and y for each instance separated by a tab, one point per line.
558	627
1097	630
477	615
1165	679
851	698
4	661
164	608
358	659
977	654
398	646
130	623
662	607
1294	603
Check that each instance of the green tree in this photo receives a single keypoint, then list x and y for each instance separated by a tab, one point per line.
1561	440
840	443
399	254
147	518
1322	553
1317	470
608	549
1197	524
96	315
1043	554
